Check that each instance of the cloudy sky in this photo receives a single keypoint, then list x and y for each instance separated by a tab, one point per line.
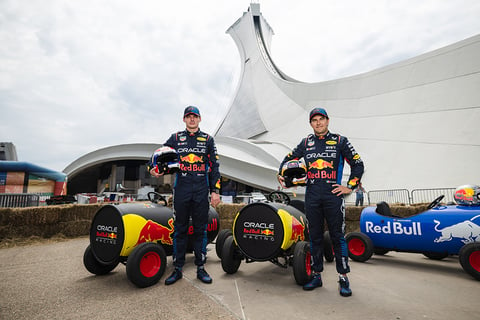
76	76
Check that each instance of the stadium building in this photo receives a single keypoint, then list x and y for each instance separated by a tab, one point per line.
413	122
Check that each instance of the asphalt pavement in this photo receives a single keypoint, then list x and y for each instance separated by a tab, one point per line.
49	281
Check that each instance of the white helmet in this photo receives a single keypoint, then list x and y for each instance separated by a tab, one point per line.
166	160
294	172
467	195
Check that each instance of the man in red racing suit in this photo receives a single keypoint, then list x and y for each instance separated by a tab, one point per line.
198	176
324	154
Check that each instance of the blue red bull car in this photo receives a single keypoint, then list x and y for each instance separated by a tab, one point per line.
440	231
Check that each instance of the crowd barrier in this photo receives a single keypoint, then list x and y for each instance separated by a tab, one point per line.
403	196
392	196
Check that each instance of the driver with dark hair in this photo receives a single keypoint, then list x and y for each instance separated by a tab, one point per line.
198	177
324	154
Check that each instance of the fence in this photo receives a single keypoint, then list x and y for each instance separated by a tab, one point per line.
393	196
428	195
403	196
11	200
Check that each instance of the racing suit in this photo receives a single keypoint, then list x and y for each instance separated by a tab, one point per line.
199	175
324	157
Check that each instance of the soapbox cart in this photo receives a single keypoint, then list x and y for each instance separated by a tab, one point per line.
138	235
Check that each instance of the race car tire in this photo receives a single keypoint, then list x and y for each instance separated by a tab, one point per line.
360	246
231	257
222	235
146	264
328	247
302	269
94	266
380	251
469	257
436	255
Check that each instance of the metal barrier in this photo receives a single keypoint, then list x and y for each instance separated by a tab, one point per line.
428	195
393	196
403	196
11	200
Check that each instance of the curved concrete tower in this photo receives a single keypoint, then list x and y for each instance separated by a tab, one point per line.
415	123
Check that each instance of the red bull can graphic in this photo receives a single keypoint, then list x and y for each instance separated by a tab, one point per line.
117	229
137	235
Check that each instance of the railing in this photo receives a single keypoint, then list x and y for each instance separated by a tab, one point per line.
393	196
428	195
12	200
403	196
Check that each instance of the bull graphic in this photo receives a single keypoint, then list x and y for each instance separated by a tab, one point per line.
467	231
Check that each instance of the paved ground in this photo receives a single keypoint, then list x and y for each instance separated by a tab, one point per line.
49	281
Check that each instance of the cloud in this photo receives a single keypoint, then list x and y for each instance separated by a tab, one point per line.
76	76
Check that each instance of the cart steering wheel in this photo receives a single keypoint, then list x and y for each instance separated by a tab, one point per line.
279	196
435	202
154	197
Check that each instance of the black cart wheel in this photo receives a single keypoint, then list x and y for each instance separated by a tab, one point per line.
360	246
436	255
469	257
302	268
222	235
94	266
146	264
328	247
231	257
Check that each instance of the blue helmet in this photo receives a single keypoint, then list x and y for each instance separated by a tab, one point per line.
165	160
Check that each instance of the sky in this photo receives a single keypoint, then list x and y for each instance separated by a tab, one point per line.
77	76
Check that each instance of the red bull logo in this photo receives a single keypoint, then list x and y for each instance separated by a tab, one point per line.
192	163
153	231
210	227
467	231
106	234
322	175
191	158
298	230
405	228
264	231
267	232
321	164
